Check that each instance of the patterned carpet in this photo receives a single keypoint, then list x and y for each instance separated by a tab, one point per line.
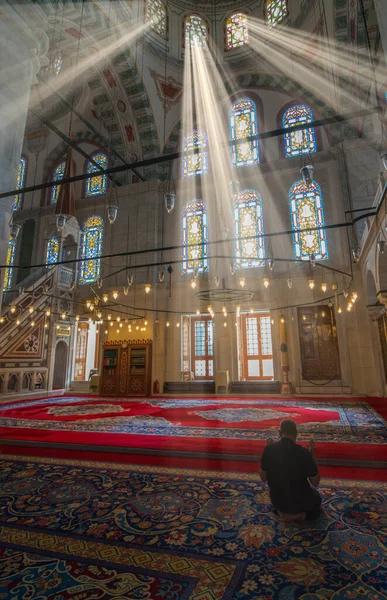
80	531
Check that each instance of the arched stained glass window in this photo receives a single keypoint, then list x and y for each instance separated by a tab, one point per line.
156	14
20	183
299	142
91	248
195	164
57	175
195	231
248	222
306	208
243	124
276	11
195	31
52	251
236	30
96	185
11	255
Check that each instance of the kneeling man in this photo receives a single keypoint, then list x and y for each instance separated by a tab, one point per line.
288	468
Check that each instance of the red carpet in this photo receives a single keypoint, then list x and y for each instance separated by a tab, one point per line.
344	429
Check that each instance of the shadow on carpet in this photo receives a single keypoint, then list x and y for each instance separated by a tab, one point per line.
71	529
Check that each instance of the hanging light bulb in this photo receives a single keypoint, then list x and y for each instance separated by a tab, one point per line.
232	269
91	307
349	306
32	323
354	295
270	263
109	317
115	294
304	317
339	310
118	319
105	298
355	254
14	231
198	311
193	283
272	321
63	316
242	282
345	293
99	315
323	313
106	332
169	201
312	260
225	324
88	303
324	287
13	309
307	174
121	325
58	326
266	282
335	287
112	212
2	320
161	275
126	290
217	281
117	331
251	311
289	281
147	288
48	312
178	324
145	322
167	324
18	322
282	319
111	323
99	283
31	310
311	284
130	279
137	328
381	246
60	222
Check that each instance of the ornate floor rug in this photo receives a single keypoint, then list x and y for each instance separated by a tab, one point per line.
341	428
81	530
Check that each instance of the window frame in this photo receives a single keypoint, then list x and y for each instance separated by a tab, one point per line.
257	104
207	357
84	259
86	167
295	224
19	200
244	43
244	357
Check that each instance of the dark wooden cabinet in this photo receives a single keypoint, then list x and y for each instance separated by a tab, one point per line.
127	369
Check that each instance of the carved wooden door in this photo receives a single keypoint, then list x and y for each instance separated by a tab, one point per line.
318	340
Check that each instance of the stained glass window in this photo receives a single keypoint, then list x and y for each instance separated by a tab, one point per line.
52	251
57	175
307	210
8	275
236	31
195	31
21	178
243	123
248	222
276	11
299	142
156	14
195	164
91	248
96	185
195	231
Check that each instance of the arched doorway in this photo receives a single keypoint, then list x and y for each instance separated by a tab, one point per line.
60	366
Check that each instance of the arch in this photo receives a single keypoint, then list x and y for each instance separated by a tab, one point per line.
195	231
248	222
91	249
52	252
20	183
276	11
297	143
13	383
9	271
96	185
243	122
156	13
60	366
57	174
195	164
195	31
306	211
236	30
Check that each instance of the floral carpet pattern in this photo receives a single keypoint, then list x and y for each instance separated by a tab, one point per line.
239	419
77	530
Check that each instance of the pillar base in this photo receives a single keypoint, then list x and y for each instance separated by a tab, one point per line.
285	388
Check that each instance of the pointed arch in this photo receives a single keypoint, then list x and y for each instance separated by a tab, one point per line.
195	164
276	11
156	14
195	231
57	174
91	249
236	31
307	211
248	223
299	142
9	271
96	186
52	253
20	183
243	122
195	31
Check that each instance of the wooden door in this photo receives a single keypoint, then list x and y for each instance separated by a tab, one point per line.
202	347
140	372
60	366
318	340
256	347
81	352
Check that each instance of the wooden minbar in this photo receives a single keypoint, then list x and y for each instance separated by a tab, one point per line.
126	368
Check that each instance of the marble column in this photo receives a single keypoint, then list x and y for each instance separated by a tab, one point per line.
285	387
